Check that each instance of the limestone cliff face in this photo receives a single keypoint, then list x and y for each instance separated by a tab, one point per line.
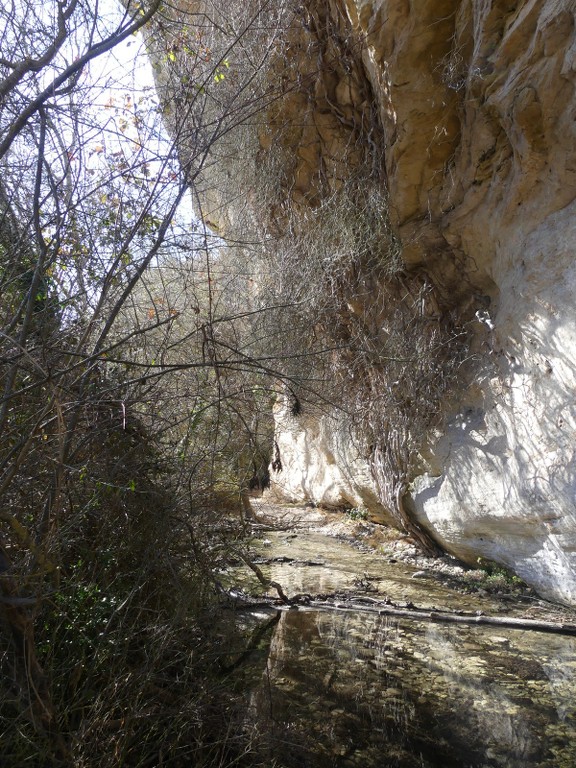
321	462
462	113
479	111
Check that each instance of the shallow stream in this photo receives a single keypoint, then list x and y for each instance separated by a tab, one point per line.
350	688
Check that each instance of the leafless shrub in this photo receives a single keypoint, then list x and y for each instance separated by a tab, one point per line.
128	416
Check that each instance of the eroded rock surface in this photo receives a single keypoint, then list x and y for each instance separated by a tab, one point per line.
499	178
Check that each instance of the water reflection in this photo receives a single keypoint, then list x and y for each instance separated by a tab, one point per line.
353	689
315	564
342	689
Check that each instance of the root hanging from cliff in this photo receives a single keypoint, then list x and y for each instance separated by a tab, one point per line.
386	462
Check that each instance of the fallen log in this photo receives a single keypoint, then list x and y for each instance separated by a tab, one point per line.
263	580
416	614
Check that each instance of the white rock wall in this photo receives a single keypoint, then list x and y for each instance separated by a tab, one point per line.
321	463
477	100
507	490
